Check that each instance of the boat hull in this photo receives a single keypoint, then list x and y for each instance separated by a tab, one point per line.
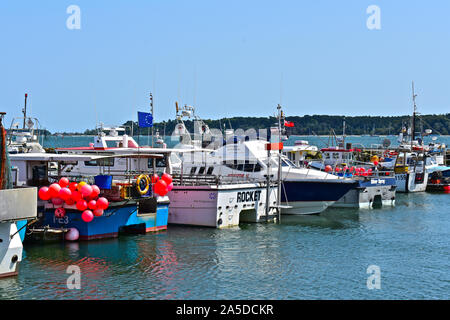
370	192
118	218
219	206
313	196
411	181
10	250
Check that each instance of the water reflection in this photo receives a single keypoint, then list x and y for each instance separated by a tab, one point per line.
315	257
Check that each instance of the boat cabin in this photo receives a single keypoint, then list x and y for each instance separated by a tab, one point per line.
298	152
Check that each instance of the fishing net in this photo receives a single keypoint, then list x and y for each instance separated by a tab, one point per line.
5	166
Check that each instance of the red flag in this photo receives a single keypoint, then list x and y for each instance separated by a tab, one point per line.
288	124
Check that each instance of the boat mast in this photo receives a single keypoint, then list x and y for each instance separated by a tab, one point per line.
151	110
343	133
413	122
24	110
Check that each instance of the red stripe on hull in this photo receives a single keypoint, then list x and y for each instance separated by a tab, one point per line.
9	274
153	229
100	236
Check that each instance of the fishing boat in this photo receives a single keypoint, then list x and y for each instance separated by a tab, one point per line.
186	196
26	138
16	205
410	157
132	205
438	182
375	186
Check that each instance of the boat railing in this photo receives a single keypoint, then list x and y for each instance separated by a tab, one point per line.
210	180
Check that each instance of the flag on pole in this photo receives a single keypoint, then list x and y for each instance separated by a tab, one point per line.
288	124
145	119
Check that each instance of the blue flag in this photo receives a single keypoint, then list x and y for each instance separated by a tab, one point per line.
145	119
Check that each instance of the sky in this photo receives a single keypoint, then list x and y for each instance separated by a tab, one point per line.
227	58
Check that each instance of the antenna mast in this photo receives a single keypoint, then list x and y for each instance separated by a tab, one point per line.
413	124
24	110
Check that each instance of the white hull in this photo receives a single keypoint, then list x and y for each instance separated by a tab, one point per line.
219	206
406	182
10	250
366	198
305	207
15	205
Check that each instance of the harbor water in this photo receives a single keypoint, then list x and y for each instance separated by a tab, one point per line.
324	256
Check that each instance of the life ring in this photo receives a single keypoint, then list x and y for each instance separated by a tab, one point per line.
143	178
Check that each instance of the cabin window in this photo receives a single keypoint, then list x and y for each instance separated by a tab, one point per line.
230	165
202	170
39	173
249	167
335	155
210	170
258	167
327	156
288	163
193	169
240	167
108	162
159	163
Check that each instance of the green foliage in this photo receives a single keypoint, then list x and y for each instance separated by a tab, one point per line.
322	124
311	124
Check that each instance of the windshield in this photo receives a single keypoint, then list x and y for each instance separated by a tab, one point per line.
285	162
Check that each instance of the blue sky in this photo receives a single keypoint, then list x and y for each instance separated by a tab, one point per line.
230	58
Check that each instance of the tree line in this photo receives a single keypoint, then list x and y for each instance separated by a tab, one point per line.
311	124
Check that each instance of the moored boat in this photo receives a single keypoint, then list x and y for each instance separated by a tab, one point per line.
209	201
16	205
131	207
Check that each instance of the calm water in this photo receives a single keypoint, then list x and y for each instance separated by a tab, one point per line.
313	257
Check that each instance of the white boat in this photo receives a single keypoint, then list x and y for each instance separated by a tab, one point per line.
304	190
24	139
378	187
410	159
410	172
15	205
206	201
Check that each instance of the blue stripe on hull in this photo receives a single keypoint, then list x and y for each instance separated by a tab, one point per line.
110	223
315	190
21	224
374	182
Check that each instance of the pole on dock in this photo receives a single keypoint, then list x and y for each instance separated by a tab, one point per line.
280	115
268	183
151	110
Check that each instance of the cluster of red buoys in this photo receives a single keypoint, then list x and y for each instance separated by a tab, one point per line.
162	186
357	171
82	195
